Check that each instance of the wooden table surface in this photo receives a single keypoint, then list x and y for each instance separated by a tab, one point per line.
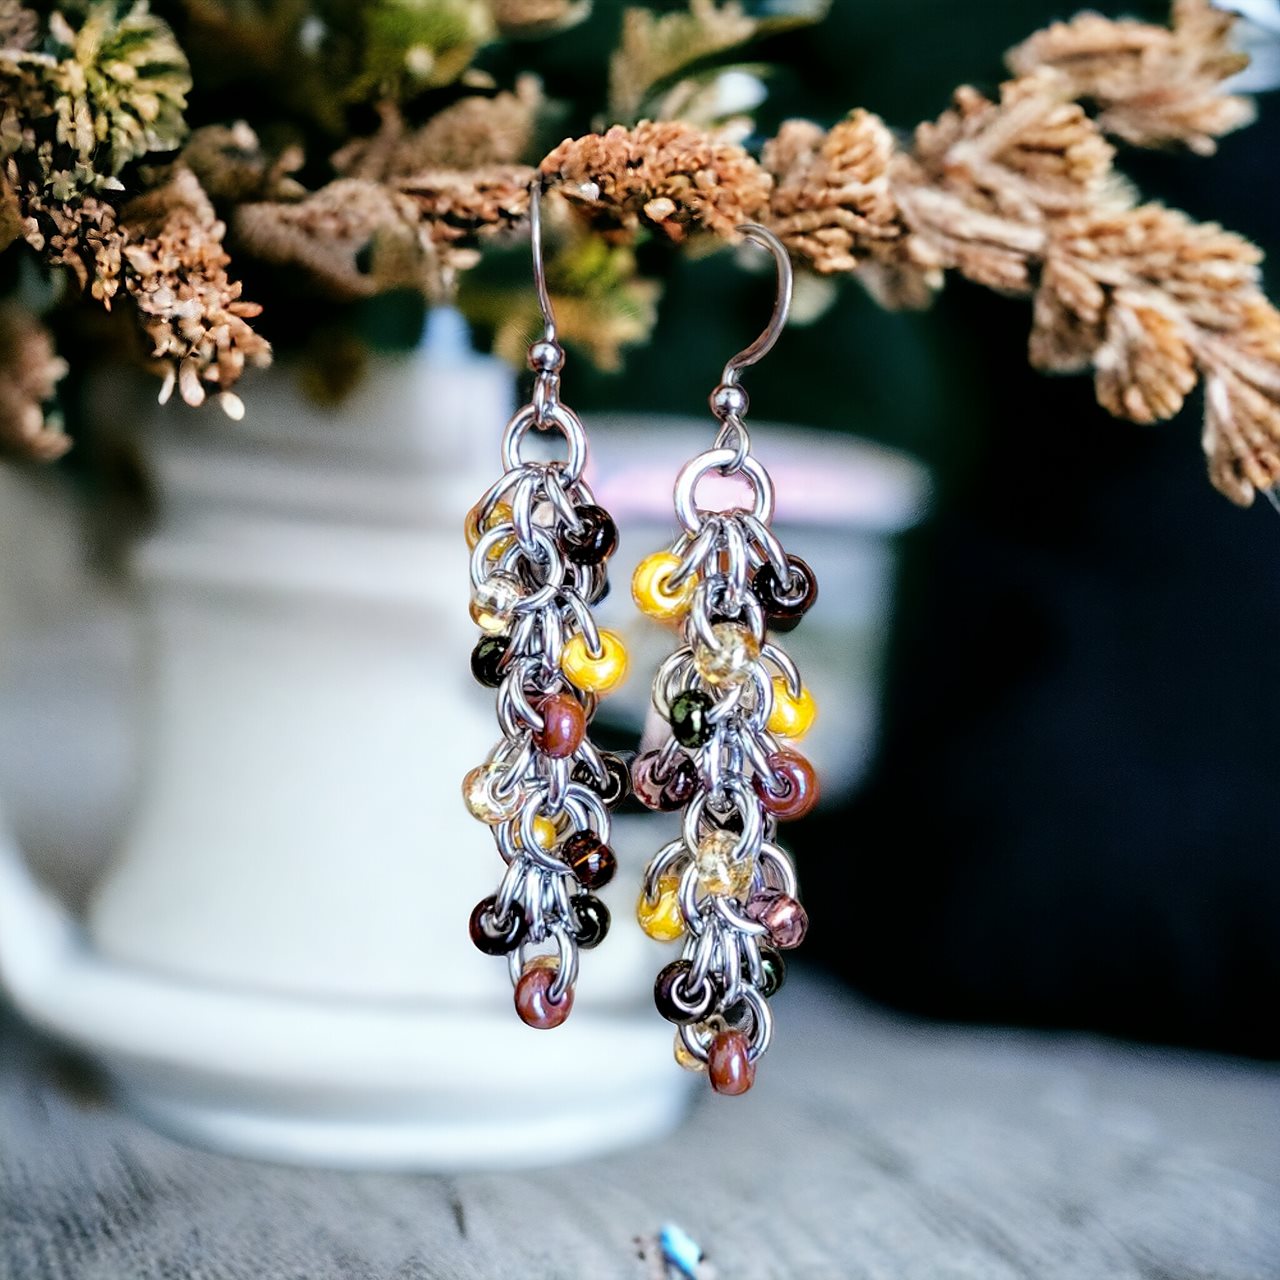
872	1148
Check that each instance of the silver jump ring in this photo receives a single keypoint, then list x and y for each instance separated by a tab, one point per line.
687	510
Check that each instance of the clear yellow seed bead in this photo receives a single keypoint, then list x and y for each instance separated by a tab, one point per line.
689	1061
494	601
721	870
791	717
729	660
589	673
651	593
662	919
475	528
544	832
477	794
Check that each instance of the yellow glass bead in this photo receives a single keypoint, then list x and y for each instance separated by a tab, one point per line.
650	591
791	717
689	1061
545	832
475	528
589	673
662	919
477	794
730	659
494	601
722	871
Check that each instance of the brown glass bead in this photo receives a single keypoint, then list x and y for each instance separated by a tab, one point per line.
786	920
487	936
595	539
590	859
792	791
729	1064
785	608
675	1000
617	785
666	794
592	919
564	724
533	999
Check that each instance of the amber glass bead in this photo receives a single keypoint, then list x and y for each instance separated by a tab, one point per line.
533	998
790	717
493	602
666	794
478	795
564	724
729	1064
689	1061
721	870
488	937
617	785
662	918
792	791
784	609
786	920
475	528
594	540
729	660
590	859
592	673
487	659
650	590
592	919
675	1001
690	725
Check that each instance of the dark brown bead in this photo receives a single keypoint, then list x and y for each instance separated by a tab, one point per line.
564	724
594	540
729	1065
590	859
785	606
792	791
592	921
616	788
485	933
487	660
668	793
533	998
674	999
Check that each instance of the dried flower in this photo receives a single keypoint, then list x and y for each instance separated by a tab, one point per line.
1152	85
231	166
29	374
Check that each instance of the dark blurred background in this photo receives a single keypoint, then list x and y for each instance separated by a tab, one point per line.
1071	822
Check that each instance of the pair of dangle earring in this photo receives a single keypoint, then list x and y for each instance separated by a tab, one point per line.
732	701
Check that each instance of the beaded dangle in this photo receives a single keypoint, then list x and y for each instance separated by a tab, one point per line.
539	551
735	705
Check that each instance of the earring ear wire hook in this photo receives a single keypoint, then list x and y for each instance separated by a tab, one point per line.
781	306
539	270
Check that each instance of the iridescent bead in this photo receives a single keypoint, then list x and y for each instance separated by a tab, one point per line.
594	540
590	859
564	725
784	609
653	595
775	971
487	936
533	999
792	790
790	717
722	870
487	660
690	725
729	1064
592	920
493	602
665	794
592	673
729	660
482	803
662	918
475	528
786	920
689	1061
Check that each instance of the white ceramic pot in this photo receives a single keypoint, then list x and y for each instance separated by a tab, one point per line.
276	962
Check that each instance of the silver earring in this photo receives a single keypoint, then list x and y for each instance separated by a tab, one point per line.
734	703
540	545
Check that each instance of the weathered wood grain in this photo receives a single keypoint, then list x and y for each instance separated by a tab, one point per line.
873	1148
